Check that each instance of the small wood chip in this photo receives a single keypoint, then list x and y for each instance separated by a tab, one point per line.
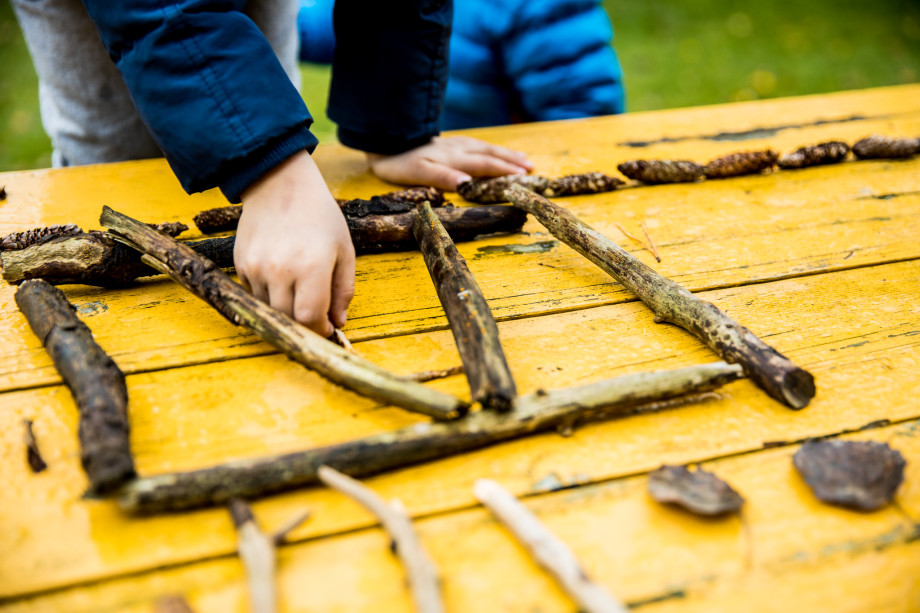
830	152
700	492
880	147
171	228
662	171
740	163
3	192
860	475
34	457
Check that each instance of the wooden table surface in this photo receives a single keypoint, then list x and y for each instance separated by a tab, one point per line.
822	263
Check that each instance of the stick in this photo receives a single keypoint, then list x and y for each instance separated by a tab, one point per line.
431	375
93	258
539	412
548	551
672	303
258	553
420	569
633	238
471	321
97	384
301	344
33	455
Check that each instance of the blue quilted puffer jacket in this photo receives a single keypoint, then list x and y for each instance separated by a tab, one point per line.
511	60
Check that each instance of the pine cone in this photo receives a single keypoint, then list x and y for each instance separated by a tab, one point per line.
27	238
584	183
824	153
880	147
491	191
662	171
741	163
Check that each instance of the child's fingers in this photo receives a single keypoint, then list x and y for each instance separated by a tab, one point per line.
478	164
311	302
343	287
474	145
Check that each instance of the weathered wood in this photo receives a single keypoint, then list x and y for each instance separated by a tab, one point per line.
532	413
672	303
207	281
421	572
471	321
547	549
97	384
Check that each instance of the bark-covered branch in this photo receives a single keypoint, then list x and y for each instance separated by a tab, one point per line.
672	303
97	384
471	321
420	569
93	258
538	412
203	278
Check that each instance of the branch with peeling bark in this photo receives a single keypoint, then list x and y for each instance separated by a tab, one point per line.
420	569
548	551
672	303
471	322
537	412
96	382
203	278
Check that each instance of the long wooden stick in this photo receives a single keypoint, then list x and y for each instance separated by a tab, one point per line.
207	281
257	551
97	384
532	413
420	569
93	258
471	321
672	303
546	548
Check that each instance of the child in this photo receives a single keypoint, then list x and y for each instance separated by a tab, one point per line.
211	93
510	60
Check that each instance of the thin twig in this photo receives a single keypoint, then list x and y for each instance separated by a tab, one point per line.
431	375
634	238
342	341
548	550
258	553
651	243
280	535
420	569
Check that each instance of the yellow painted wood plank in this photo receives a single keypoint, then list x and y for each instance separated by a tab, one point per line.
857	332
785	551
718	235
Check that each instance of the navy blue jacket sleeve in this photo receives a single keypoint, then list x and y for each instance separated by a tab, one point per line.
389	72
209	87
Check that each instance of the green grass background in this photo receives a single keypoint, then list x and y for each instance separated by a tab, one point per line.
674	54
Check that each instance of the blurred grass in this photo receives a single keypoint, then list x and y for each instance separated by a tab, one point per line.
674	54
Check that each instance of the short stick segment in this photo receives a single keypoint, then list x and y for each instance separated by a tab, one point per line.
672	303
468	314
547	549
538	412
257	551
97	384
420	569
206	280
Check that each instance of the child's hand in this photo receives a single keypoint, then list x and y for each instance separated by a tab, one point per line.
293	248
447	162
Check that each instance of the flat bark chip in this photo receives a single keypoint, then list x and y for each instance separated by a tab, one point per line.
861	475
700	492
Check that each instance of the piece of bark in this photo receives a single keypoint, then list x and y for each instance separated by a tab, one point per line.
492	190
97	384
471	322
672	303
830	152
93	258
421	572
220	219
546	548
581	184
700	492
655	172
861	475
33	455
203	278
36	236
257	550
538	412
2	192
170	228
740	163
883	147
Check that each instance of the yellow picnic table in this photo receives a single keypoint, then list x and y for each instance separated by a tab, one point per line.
821	263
